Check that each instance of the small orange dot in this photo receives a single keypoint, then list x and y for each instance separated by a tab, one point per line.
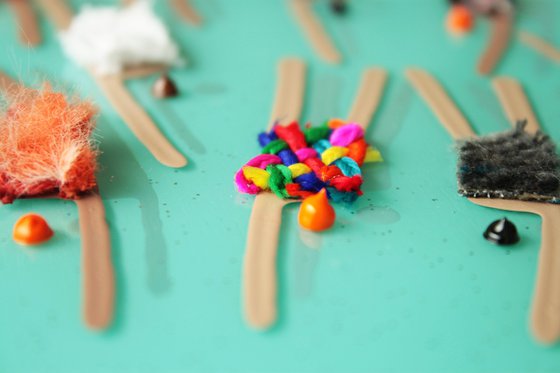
460	19
31	229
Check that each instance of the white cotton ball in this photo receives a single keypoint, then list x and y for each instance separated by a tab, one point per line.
109	39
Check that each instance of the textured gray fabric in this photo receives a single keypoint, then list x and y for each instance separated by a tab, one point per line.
511	164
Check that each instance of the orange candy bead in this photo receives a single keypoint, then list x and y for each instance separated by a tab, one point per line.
460	19
31	229
315	213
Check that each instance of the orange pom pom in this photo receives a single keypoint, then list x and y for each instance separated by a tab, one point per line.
335	123
31	229
315	213
460	19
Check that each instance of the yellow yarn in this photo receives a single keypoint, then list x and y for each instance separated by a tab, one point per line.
373	155
333	153
258	176
299	169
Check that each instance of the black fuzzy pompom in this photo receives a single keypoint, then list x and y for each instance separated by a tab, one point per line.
512	165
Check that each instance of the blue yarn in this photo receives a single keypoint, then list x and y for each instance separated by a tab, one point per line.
266	137
310	182
288	157
321	145
338	196
348	166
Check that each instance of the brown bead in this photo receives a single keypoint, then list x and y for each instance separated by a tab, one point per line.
164	87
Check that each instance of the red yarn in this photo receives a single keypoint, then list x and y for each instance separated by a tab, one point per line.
292	135
347	184
315	164
330	172
294	190
357	151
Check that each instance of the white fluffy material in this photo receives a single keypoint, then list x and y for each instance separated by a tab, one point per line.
109	39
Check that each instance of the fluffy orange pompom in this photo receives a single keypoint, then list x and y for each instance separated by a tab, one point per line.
45	145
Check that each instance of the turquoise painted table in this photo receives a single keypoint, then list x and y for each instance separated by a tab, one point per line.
403	283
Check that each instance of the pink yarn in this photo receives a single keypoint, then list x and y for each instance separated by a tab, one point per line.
345	135
260	161
306	153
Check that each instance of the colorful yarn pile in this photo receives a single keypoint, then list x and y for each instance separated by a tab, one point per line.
299	163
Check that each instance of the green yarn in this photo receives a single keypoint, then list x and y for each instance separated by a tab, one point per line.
314	134
280	175
274	147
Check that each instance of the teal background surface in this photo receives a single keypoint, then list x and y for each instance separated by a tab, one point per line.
403	283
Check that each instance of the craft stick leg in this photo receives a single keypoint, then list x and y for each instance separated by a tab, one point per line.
58	12
139	122
515	103
289	94
502	25
545	313
27	21
259	271
368	97
540	45
315	32
186	10
98	277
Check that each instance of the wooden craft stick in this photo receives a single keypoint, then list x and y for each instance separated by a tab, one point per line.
289	92
259	272
29	32
315	32
545	313
368	97
259	267
58	12
441	104
515	103
186	11
98	281
502	25
139	122
540	45
124	103
97	269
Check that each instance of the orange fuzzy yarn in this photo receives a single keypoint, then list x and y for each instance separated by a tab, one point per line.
45	145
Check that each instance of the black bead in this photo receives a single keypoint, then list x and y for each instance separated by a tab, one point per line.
502	232
338	6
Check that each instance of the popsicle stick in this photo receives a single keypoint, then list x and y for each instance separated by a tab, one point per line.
502	25
259	267
290	89
441	104
540	45
368	97
545	312
97	269
186	10
139	122
27	22
7	84
115	90
320	40
58	12
260	260
515	103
